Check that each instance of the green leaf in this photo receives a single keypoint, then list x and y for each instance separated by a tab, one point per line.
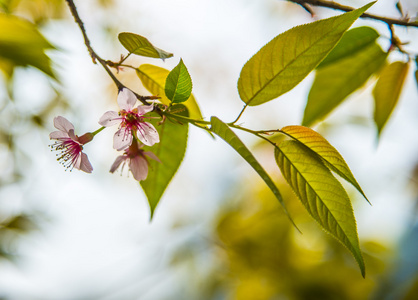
224	132
387	91
352	41
153	78
178	85
23	45
333	83
139	45
321	193
287	59
416	71
329	155
170	150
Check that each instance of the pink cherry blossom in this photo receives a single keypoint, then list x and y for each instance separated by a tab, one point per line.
136	158
131	122
70	145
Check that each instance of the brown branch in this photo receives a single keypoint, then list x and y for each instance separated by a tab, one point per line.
333	5
95	56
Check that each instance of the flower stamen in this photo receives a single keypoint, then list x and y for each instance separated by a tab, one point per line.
70	146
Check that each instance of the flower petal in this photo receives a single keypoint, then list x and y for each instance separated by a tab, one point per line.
72	135
148	135
117	163
139	167
84	164
152	156
143	109
58	135
122	139
63	124
126	99
110	118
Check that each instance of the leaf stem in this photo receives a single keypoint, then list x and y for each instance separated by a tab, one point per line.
125	58
255	132
186	119
240	114
197	122
128	66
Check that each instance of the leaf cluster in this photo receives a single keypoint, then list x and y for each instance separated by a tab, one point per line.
343	59
351	64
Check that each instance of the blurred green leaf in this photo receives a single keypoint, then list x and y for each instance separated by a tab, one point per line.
153	78
22	44
321	193
7	67
224	132
387	90
287	59
139	45
416	71
178	85
21	223
329	155
4	5
12	228
170	150
416	76
37	11
335	82
352	41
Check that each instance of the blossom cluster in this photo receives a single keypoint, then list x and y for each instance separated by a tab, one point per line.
132	134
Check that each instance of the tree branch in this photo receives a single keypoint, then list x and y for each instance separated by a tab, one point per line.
95	56
333	5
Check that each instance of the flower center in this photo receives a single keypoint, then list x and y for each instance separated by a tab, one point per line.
69	152
132	121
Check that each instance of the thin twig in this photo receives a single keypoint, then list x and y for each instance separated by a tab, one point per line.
77	19
395	42
95	56
333	5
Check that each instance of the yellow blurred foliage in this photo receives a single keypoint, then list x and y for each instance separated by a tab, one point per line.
267	258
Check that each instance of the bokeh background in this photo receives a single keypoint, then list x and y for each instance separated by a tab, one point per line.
218	233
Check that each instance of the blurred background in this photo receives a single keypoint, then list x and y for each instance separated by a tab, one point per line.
218	232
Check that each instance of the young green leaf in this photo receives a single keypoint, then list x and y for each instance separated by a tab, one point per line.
399	8
329	155
178	85
387	90
354	40
170	150
139	45
321	193
333	83
287	59
21	44
153	78
224	132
